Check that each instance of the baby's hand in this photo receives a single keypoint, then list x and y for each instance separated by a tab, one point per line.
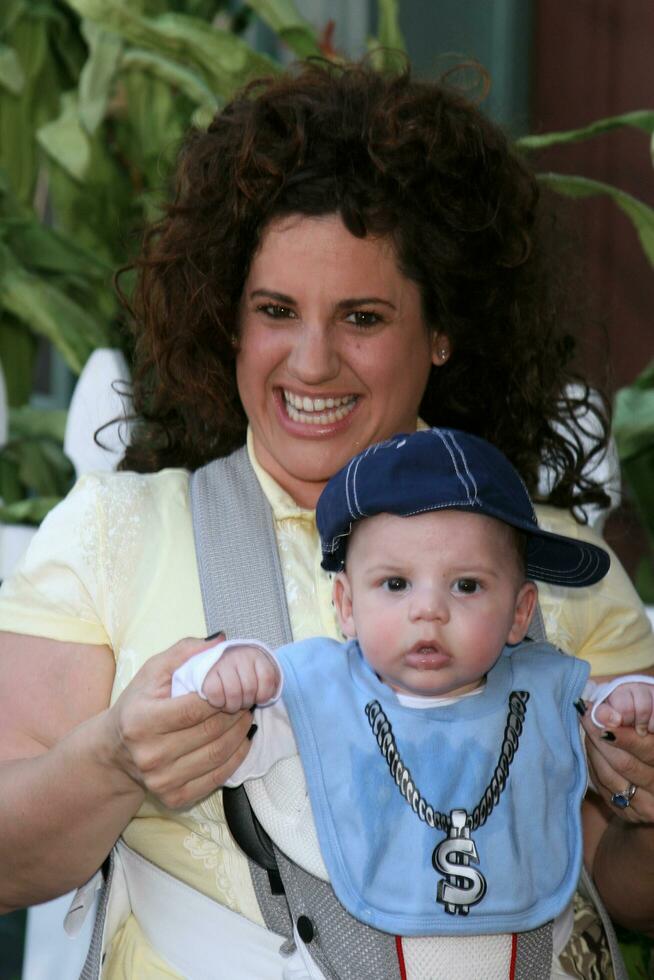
630	704
244	676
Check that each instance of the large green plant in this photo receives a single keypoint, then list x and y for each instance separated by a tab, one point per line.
95	96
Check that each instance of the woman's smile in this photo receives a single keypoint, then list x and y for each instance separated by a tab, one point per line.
318	415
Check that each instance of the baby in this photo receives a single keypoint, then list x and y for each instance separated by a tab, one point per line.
437	715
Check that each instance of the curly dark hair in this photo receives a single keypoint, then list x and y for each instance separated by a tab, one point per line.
412	160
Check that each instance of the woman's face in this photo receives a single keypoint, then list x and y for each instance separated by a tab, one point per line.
333	351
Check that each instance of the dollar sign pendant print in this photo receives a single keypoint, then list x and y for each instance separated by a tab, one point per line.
463	886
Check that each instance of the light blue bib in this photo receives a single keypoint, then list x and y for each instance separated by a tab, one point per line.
389	786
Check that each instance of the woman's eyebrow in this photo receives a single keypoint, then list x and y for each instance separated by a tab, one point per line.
362	301
271	294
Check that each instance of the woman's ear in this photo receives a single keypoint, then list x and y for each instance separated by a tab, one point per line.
440	349
525	605
342	595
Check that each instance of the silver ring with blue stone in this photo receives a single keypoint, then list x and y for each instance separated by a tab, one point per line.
623	800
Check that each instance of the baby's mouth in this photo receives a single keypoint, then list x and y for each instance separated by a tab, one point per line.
427	656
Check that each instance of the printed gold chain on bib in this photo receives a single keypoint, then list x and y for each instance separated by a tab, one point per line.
462	885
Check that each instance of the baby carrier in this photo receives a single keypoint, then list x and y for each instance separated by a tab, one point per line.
246	598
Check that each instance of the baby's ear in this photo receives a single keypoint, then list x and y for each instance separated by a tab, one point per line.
342	596
525	605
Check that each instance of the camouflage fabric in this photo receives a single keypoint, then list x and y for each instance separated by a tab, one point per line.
587	955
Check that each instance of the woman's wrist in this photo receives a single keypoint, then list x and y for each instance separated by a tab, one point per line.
108	752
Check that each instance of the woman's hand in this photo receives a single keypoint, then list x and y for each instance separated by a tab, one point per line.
179	750
617	760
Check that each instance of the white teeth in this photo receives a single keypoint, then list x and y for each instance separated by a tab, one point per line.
311	411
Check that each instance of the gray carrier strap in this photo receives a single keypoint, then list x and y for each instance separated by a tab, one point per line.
240	574
93	964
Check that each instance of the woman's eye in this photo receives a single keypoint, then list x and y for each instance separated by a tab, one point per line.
466	586
395	584
275	310
364	318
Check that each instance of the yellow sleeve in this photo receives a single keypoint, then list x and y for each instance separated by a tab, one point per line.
56	590
605	624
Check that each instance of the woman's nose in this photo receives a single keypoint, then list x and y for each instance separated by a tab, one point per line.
312	358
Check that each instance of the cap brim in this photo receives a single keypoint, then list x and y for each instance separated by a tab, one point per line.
564	561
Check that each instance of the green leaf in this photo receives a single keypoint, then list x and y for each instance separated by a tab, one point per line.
645	379
49	312
12	76
282	16
389	35
11	489
97	75
42	466
633	428
98	213
150	131
638	472
28	422
29	511
226	61
17	355
10	12
46	250
640	214
644	582
633	421
640	119
66	140
174	74
20	112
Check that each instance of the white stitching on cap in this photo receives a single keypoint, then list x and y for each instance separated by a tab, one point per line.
354	486
465	463
347	490
456	468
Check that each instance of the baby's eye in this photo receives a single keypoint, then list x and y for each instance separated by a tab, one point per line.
364	318
275	310
395	584
466	586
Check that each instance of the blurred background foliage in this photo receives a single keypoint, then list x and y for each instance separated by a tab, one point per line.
95	96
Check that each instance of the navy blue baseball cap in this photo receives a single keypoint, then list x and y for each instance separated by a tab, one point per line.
444	469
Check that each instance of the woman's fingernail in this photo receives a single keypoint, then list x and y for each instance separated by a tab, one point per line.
580	706
608	736
252	731
641	730
212	636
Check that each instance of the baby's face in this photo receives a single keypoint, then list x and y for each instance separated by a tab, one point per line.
433	598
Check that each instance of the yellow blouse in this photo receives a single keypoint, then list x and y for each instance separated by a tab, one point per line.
115	564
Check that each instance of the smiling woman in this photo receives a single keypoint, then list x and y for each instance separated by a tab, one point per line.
348	252
322	185
328	319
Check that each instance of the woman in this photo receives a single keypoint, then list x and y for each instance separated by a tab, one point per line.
346	251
